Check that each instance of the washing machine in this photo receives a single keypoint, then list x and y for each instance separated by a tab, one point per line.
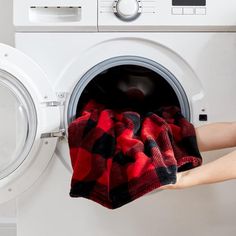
183	52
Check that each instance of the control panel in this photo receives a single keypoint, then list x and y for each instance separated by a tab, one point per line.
166	15
188	7
124	15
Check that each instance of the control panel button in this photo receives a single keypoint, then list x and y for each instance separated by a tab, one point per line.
188	11
200	11
177	11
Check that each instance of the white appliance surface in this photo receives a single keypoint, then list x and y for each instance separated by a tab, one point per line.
60	46
196	60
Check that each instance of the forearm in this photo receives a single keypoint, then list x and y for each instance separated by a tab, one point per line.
219	170
211	137
216	136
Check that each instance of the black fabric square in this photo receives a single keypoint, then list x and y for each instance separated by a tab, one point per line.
104	146
148	146
167	175
185	167
122	159
82	189
190	145
89	126
120	195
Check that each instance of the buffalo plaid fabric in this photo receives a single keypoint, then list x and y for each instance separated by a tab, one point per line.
118	156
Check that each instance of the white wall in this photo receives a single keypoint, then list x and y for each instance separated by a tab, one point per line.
7	210
6	25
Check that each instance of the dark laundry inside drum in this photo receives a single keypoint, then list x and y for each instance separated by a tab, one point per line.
129	137
130	87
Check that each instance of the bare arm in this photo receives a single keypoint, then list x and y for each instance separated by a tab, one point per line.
220	170
211	137
216	136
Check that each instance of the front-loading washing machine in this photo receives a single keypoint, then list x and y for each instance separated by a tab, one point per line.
66	50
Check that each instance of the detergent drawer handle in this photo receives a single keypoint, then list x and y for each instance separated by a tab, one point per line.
55	134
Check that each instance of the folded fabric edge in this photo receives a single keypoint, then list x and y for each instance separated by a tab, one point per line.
122	198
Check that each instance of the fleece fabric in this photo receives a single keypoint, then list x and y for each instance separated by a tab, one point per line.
119	155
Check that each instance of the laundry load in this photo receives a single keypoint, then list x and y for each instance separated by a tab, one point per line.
119	155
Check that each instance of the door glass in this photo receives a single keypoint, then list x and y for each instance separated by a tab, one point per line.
15	116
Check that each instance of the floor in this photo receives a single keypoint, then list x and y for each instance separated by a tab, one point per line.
8	229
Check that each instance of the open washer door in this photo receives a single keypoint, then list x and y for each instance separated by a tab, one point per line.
29	116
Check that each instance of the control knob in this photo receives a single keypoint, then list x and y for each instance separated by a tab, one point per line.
127	10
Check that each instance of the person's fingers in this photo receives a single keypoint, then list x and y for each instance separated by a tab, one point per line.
177	185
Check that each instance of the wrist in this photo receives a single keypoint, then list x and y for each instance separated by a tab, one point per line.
179	181
178	184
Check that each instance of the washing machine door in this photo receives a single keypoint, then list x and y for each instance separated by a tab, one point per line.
28	119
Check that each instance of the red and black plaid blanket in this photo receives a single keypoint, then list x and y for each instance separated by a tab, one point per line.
118	156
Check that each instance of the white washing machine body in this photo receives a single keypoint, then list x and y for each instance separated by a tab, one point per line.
69	43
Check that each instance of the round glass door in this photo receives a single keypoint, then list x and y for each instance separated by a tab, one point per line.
18	123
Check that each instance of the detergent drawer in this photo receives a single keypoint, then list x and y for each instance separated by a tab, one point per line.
54	15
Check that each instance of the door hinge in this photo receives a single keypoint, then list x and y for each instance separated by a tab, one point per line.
55	134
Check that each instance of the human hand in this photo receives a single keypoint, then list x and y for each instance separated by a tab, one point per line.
178	185
212	172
